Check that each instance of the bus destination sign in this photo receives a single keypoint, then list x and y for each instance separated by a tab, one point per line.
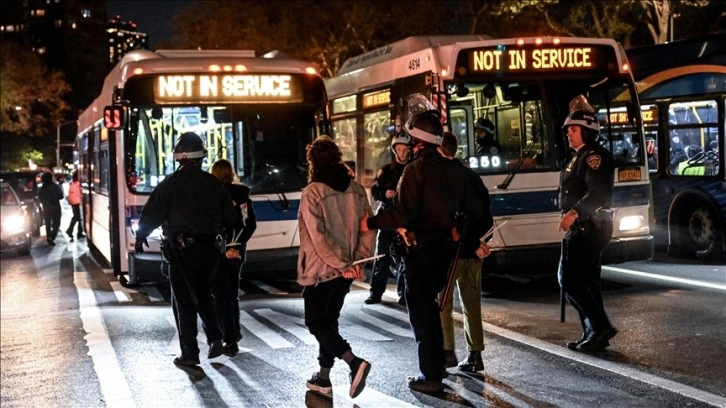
231	88
567	58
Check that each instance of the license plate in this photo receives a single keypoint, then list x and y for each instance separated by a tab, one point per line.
629	175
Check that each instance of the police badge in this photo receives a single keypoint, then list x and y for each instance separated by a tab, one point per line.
594	161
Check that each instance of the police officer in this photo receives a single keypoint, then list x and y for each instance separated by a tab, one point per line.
485	131
193	208
383	190
430	193
585	194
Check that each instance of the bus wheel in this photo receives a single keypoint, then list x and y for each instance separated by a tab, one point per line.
702	239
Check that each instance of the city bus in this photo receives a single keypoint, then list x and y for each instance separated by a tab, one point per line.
682	89
257	112
523	86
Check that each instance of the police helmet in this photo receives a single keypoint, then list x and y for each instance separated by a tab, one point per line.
189	146
401	138
485	124
583	118
426	127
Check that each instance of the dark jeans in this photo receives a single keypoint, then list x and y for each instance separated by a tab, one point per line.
426	271
323	303
52	216
76	219
226	294
382	268
579	275
193	295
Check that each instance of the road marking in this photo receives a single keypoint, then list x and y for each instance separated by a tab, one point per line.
367	398
392	328
619	369
114	387
153	293
263	332
269	289
121	296
290	324
664	278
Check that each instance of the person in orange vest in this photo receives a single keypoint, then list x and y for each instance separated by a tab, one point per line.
74	199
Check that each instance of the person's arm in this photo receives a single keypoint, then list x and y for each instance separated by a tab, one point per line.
406	203
250	222
599	181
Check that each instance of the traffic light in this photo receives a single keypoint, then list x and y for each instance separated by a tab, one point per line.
114	117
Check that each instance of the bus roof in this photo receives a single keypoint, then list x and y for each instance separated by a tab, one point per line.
646	61
433	54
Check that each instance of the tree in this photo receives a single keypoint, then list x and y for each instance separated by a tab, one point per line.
658	13
31	98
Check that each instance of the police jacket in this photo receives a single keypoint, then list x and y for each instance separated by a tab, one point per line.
386	179
245	222
480	213
191	201
586	183
430	193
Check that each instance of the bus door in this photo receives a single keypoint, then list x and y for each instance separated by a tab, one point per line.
461	124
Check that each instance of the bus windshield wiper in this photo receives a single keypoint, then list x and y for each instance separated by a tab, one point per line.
514	171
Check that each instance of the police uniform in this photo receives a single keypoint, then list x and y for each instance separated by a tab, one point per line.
193	208
586	187
386	179
430	193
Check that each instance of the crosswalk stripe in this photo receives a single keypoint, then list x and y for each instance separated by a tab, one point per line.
152	292
360	331
121	296
290	324
263	332
375	321
269	289
368	398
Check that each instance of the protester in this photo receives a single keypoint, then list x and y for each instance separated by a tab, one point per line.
49	196
74	199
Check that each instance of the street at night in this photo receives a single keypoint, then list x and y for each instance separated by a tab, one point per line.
73	336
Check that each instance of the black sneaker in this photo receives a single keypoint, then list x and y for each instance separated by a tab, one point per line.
319	385
358	377
372	300
80	235
186	363
70	238
215	349
230	349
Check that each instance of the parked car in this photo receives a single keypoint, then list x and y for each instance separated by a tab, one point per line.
25	184
15	223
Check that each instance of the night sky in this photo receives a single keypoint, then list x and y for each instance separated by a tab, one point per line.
151	17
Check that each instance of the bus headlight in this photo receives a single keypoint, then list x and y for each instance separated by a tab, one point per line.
632	223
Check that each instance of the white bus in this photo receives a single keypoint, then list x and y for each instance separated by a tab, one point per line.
257	112
523	86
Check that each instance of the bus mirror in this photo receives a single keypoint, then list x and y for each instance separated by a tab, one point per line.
222	116
114	117
157	113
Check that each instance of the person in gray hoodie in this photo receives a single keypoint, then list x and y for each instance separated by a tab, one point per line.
330	209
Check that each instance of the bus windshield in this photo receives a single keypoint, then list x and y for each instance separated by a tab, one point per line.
266	147
520	110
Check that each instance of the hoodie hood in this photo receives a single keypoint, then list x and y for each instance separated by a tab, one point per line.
336	177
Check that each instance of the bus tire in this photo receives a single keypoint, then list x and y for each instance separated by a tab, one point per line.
700	232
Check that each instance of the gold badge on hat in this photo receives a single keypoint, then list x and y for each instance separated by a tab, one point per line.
594	161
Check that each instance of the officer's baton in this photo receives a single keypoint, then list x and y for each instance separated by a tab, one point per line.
562	280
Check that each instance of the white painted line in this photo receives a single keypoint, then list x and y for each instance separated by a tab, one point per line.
121	296
350	328
263	332
367	398
153	293
114	387
619	369
269	289
288	324
391	328
654	276
107	271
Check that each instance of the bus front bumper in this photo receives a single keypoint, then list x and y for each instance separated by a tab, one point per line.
629	249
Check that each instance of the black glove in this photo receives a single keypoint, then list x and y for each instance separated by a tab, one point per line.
139	246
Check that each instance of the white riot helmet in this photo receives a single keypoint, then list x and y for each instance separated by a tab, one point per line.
189	147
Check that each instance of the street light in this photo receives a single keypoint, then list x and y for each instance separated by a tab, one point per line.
58	144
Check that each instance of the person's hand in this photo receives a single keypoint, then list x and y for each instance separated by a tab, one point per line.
233	254
354	272
363	224
390	193
567	220
483	251
139	246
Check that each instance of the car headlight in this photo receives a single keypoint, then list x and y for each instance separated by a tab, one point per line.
631	223
13	223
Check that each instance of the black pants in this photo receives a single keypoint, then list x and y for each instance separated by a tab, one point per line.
199	264
226	294
76	219
323	303
52	217
382	268
426	271
579	275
